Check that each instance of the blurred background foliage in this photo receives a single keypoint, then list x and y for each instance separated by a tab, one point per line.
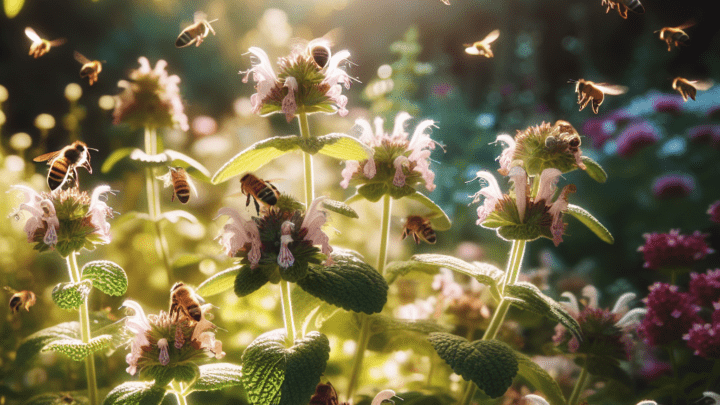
408	56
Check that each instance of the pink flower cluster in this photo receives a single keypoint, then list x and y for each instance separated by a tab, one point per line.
673	249
670	314
704	338
714	212
635	137
673	186
705	287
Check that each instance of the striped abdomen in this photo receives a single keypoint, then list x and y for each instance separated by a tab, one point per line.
268	196
58	172
185	39
182	190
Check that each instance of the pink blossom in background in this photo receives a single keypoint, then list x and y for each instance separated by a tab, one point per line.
594	128
670	315
204	125
705	288
704	338
714	212
705	134
673	186
667	103
673	249
635	137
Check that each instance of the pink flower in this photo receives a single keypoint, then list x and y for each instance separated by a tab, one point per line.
594	128
705	287
670	314
139	325
506	156
673	186
237	234
315	218
43	215
491	193
714	212
635	137
666	103
704	338
99	212
673	250
285	258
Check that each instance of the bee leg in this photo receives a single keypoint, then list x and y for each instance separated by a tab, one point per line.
257	206
404	234
595	105
247	202
585	102
172	198
416	238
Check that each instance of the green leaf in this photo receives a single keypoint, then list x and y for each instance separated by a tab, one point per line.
56	399
177	215
191	166
349	283
186	372
344	147
249	280
528	297
76	349
339	207
218	376
593	224
484	273
13	7
490	364
71	295
114	158
186	260
594	170
372	192
106	276
389	334
135	393
256	156
396	269
439	219
33	344
539	379
218	283
306	362
354	198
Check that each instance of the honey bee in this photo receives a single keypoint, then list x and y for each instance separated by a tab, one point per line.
64	163
39	46
688	88
23	299
675	35
195	33
258	190
90	68
566	133
184	300
623	6
178	178
420	229
482	48
325	394
319	50
588	91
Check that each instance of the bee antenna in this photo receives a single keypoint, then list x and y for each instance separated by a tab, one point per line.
93	149
210	22
572	81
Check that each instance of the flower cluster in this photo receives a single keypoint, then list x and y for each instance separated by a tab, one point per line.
66	220
151	99
670	314
673	186
397	161
162	341
673	250
301	84
714	212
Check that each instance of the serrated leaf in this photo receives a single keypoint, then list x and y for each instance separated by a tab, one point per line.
187	372
218	376
339	207
396	269
13	7
256	156
539	379
594	170
116	156
106	276
218	283
484	273
177	215
490	364
135	393
249	280
34	343
76	349
589	221
438	218
349	283
306	362
344	147
528	297
71	295
191	166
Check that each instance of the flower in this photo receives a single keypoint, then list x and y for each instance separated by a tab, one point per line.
705	134
541	147
673	250
397	163
704	338
65	219
300	84
237	234
151	350
673	186
705	288
667	103
714	212
150	99
635	137
670	314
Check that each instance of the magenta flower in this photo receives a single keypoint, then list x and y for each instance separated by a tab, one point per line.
673	250
705	134
704	339
714	212
673	186
670	314
705	288
667	103
594	128
635	137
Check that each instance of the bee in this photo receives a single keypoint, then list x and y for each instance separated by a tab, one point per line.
623	6
675	35
482	48
258	190
589	91
195	33
420	229
90	68
23	299
184	300
178	178
64	163
566	133
39	46
688	88
325	394
319	50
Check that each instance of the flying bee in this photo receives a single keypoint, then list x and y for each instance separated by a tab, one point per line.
178	179
23	299
688	88
184	300
623	6
325	394
39	46
482	48
420	229
259	190
195	33
319	50
588	91
64	163
675	35
90	68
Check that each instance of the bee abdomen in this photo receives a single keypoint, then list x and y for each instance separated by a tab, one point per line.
635	6
430	236
182	190
57	174
195	312
184	40
267	196
320	55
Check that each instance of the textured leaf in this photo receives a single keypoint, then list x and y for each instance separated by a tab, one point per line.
13	7
340	208
438	218
249	280
540	379
594	170
484	273
389	334
114	158
396	269
344	147
528	297
349	283
106	276
306	362
76	349
34	343
218	283
593	224
56	399
135	393
256	156
71	295
191	166
187	372
218	376
490	364
177	215
372	192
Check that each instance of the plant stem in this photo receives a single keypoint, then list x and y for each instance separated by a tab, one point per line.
579	385
85	333
307	160
287	310
179	392
673	363
153	197
364	337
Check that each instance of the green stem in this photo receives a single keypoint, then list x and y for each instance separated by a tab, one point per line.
673	363
179	392
579	386
307	160
153	197
673	277
287	311
364	337
85	333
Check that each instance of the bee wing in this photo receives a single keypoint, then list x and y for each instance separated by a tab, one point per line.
472	50
32	35
191	185
686	25
611	89
199	16
58	42
81	58
47	156
491	37
702	84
